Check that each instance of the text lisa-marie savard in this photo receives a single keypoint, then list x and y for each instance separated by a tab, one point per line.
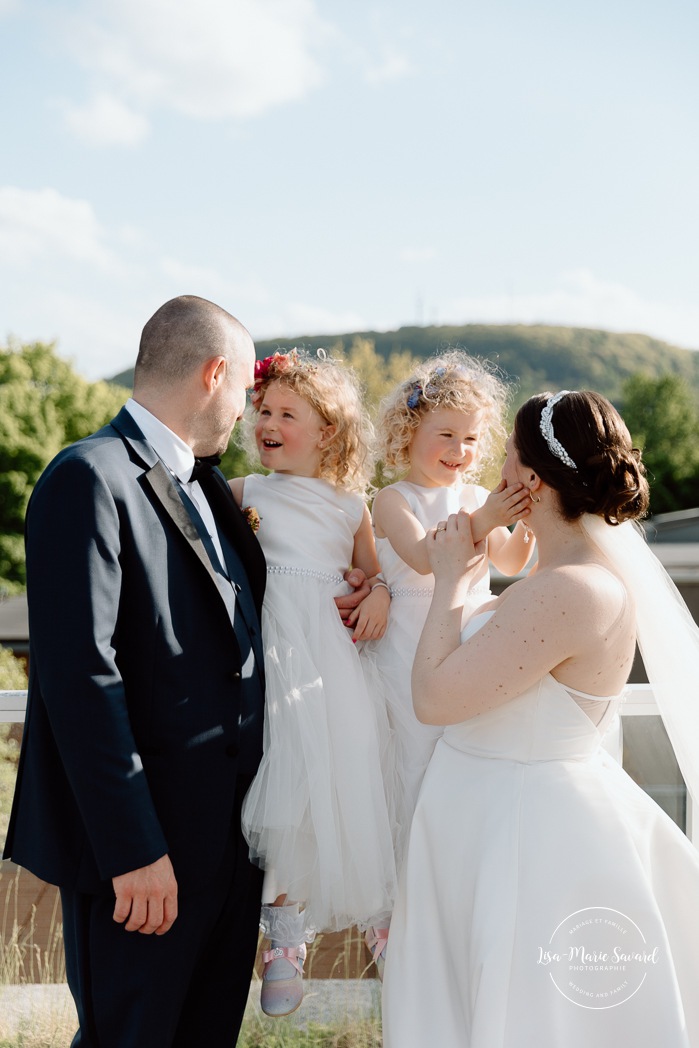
615	957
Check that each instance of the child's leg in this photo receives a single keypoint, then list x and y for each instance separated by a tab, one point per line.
282	979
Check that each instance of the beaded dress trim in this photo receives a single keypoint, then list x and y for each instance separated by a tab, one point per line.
320	576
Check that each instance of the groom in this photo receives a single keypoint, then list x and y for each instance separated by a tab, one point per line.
145	712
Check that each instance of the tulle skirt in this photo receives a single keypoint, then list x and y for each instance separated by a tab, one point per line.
318	815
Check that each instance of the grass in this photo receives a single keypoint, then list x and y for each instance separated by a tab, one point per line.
46	1019
21	959
50	1022
358	1034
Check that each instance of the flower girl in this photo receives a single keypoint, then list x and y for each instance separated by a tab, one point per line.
316	815
438	428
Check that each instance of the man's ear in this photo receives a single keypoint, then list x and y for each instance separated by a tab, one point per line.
213	372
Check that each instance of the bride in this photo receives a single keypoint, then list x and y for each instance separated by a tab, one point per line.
546	901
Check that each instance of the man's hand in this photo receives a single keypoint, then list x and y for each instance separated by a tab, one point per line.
346	605
147	897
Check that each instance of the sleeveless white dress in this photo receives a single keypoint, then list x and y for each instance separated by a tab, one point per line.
316	816
411	596
546	900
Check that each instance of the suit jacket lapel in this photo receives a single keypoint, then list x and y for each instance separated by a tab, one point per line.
230	517
164	487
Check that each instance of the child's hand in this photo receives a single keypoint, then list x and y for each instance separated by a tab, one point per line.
371	617
360	591
506	505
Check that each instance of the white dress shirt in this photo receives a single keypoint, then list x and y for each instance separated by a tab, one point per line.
178	458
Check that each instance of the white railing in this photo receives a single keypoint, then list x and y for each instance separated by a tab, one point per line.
13	706
639	703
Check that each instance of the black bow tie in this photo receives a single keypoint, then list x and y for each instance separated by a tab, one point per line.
203	467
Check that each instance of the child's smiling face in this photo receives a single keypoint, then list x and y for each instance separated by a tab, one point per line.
445	445
289	432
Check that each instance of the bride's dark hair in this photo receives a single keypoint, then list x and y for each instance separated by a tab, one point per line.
609	478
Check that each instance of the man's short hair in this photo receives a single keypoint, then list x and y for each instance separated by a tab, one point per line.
184	333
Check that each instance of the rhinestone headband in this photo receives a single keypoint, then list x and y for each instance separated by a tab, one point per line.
546	427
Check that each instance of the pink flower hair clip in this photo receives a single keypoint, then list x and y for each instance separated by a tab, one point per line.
270	368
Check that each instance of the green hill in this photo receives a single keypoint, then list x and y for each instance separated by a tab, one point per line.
535	357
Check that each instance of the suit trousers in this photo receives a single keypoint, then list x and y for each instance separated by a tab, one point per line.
185	989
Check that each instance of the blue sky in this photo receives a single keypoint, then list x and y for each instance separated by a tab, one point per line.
318	166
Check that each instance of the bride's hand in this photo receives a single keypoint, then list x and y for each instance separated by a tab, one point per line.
452	553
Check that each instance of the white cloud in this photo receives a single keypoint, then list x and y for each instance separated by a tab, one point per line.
93	331
392	65
41	224
213	60
302	318
106	121
417	254
207	282
581	299
8	7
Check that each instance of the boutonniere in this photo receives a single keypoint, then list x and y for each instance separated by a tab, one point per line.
252	516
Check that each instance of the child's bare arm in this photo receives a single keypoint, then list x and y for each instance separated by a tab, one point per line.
507	550
506	505
510	551
371	617
394	520
236	485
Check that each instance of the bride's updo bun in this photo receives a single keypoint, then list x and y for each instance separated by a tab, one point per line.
585	454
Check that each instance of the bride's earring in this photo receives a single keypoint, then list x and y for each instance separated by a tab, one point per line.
527	530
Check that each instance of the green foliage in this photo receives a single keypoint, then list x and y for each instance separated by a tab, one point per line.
235	461
377	374
44	405
12	678
663	420
536	357
9	755
273	1034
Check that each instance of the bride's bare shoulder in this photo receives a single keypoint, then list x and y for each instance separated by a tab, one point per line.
588	589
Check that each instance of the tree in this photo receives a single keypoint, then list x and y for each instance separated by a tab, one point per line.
663	420
378	375
12	678
44	405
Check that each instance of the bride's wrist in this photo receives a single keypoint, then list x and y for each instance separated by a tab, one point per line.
450	591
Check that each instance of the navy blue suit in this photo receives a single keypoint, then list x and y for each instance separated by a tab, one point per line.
144	720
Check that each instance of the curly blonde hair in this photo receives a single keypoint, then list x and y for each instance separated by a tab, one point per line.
333	390
451	380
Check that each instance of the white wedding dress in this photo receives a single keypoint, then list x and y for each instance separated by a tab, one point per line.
546	900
